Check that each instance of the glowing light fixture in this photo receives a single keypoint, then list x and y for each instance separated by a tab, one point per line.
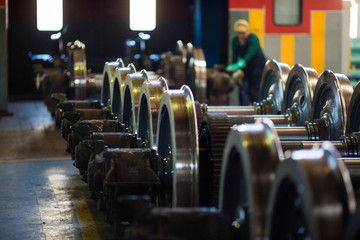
49	15
142	15
354	19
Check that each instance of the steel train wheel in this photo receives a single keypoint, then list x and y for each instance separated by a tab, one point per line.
331	101
246	177
132	86
150	96
311	197
108	81
197	74
299	92
272	85
178	148
118	90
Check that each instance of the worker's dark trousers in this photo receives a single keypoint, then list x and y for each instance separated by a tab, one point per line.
249	90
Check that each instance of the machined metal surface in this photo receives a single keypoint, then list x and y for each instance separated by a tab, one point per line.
299	92
349	146
149	103
130	99
118	89
108	81
246	177
232	110
278	120
272	86
78	70
197	74
96	142
212	138
299	193
331	100
178	148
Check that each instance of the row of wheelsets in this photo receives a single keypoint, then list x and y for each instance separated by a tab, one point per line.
165	166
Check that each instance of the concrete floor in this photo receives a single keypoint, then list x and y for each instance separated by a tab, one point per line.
41	194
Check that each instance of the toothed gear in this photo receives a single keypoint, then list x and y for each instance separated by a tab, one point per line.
214	131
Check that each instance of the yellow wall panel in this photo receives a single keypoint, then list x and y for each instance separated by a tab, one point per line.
318	40
256	21
287	50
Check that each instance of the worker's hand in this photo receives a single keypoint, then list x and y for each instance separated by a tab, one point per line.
238	76
241	64
232	67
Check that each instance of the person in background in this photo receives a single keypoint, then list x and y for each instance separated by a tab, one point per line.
248	62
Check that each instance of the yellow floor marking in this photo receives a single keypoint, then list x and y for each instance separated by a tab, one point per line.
35	159
86	223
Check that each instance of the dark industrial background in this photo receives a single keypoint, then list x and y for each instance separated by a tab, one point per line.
104	27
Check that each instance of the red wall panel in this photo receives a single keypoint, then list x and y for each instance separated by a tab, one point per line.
303	27
2	3
233	4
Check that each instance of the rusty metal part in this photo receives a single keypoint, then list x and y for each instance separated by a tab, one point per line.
70	105
84	128
353	114
63	104
331	101
118	171
246	177
118	90
130	99
178	148
95	143
72	117
299	92
150	96
309	187
108	81
196	223
272	86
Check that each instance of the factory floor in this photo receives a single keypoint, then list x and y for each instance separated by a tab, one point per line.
41	194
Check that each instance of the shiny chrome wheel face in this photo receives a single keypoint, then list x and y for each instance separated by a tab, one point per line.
311	197
149	103
331	100
299	92
252	153
178	147
272	85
